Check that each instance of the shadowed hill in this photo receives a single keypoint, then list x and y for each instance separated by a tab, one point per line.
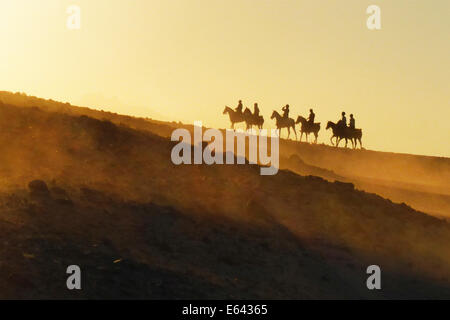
419	181
426	171
194	231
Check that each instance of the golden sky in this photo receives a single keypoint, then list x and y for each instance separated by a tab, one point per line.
186	59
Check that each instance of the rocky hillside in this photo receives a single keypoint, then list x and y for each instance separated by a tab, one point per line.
110	200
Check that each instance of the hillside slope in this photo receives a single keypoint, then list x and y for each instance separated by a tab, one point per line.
422	182
193	231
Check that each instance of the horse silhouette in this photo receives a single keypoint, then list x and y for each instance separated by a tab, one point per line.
282	122
235	117
356	135
308	128
252	120
343	132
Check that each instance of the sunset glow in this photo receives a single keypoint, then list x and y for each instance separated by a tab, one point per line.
185	59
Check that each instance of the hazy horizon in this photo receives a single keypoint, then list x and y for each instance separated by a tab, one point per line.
185	60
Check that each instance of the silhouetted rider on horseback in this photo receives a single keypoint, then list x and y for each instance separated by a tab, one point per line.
256	110
352	122
238	109
311	117
343	121
285	110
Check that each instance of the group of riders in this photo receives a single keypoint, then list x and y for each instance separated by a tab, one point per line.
340	129
342	122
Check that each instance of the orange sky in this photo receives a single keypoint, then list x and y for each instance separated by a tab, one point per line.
186	59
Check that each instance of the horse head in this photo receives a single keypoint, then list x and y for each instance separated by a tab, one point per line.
274	115
226	110
330	124
300	119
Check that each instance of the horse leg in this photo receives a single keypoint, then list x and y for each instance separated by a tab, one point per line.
316	135
293	128
301	136
331	140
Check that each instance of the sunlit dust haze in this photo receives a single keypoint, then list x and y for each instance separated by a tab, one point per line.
184	60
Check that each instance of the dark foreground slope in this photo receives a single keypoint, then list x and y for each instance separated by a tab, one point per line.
141	227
